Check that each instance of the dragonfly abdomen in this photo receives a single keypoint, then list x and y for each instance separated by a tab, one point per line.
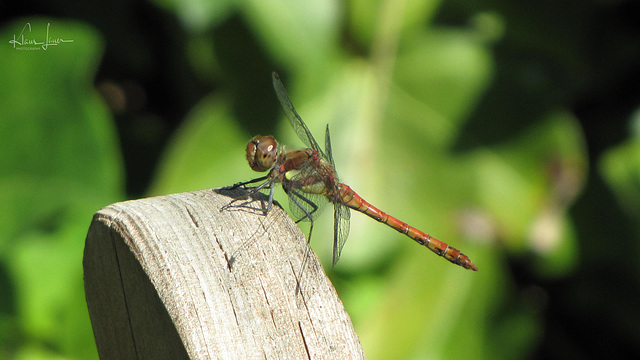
354	201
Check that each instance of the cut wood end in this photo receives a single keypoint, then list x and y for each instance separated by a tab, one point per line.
179	275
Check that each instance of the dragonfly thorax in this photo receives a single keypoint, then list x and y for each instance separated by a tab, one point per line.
262	153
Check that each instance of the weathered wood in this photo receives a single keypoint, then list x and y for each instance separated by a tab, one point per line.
174	277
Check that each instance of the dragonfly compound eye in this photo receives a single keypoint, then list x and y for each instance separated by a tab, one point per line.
262	153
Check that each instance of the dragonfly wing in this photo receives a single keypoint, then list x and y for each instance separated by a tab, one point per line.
296	122
341	220
327	145
305	206
301	203
342	215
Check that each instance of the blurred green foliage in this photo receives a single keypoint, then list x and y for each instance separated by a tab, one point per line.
60	164
465	120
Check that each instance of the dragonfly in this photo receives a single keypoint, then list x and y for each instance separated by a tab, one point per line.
308	177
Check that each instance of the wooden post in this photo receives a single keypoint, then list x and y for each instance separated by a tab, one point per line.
174	277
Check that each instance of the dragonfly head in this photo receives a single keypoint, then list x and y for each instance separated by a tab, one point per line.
262	153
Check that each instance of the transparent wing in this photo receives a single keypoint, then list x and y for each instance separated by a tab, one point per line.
327	146
303	204
294	119
341	220
341	213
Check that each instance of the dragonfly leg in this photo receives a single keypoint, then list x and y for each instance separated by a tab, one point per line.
252	191
270	201
307	214
244	183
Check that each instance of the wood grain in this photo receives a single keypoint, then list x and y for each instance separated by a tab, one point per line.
174	277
